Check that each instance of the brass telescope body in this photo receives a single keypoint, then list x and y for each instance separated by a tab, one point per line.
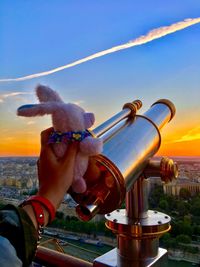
121	173
130	141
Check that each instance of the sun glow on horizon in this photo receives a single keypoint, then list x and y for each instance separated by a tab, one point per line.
21	136
183	145
191	135
20	148
181	142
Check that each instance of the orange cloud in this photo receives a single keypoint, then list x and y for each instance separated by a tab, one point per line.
192	134
185	148
181	142
19	142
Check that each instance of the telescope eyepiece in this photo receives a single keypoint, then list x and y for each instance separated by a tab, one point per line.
169	104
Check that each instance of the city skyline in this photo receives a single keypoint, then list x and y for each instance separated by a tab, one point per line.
37	37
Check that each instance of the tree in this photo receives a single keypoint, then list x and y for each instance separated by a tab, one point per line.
196	230
184	193
155	196
182	208
195	209
59	214
163	204
183	239
166	240
186	228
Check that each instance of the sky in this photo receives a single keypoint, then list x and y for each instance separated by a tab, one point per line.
38	36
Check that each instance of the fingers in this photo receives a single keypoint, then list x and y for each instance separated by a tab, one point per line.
45	136
48	153
70	154
46	149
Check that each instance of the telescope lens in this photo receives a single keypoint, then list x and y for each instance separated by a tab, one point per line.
87	212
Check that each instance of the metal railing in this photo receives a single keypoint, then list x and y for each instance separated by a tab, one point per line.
49	258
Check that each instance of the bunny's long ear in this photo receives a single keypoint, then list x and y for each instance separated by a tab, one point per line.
46	94
35	110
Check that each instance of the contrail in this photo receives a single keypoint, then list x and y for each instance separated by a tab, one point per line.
152	35
4	96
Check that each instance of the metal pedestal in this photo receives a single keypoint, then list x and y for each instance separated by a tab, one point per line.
138	231
111	259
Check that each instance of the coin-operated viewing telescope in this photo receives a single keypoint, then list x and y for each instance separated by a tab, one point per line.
121	173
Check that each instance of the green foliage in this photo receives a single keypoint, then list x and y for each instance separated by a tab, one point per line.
163	204
184	212
156	196
1	205
184	193
59	214
185	215
195	209
193	250
196	230
182	208
183	239
74	225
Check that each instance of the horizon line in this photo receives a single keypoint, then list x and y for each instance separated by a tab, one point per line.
157	156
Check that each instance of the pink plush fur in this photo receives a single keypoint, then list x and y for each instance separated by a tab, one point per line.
65	118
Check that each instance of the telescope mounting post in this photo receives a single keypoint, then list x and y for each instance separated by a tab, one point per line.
138	229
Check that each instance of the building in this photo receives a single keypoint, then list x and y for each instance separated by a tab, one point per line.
174	188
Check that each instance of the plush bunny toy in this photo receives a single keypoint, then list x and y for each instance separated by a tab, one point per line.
70	123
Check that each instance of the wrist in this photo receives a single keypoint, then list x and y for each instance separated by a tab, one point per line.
42	204
29	210
54	197
40	210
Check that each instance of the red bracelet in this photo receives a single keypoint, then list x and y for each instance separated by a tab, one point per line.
39	215
43	201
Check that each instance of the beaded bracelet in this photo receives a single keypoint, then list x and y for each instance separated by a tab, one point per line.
58	137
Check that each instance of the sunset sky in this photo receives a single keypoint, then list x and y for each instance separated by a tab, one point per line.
38	36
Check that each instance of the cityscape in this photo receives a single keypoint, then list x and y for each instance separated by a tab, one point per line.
18	176
18	179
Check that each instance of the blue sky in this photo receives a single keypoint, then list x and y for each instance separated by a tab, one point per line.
36	36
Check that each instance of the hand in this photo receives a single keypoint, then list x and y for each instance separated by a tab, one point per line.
55	174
